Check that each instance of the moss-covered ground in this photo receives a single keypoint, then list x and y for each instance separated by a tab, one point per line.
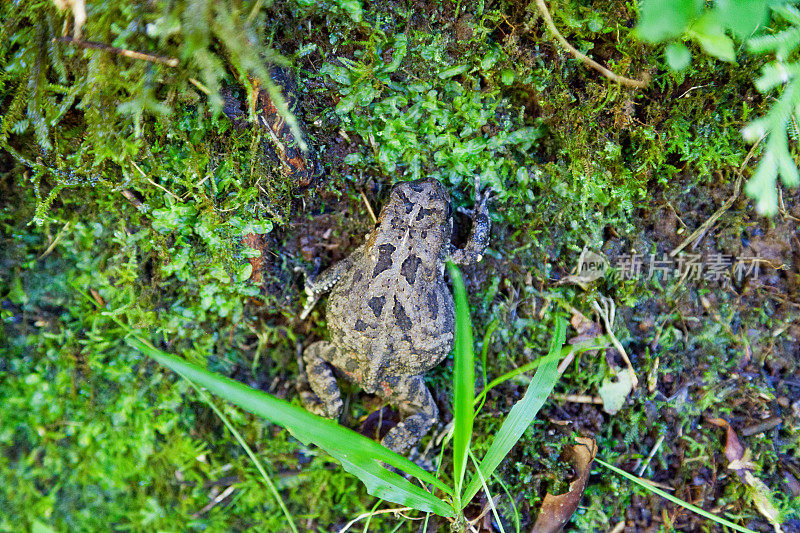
139	190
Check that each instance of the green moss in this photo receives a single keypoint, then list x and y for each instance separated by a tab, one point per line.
125	183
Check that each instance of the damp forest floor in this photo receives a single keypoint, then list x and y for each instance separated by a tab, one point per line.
93	436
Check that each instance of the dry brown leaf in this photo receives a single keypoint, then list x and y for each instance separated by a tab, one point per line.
556	510
587	330
739	461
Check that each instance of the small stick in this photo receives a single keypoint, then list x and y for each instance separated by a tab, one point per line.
578	398
737	187
369	207
91	45
55	241
224	494
650	456
607	315
622	80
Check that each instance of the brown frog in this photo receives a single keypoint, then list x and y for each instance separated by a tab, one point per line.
390	314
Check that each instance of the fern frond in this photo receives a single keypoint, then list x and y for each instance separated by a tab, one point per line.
775	74
788	12
782	43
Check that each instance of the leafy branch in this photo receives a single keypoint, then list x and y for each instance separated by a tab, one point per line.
745	20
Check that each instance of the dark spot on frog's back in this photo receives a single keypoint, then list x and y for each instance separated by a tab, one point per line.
425	213
403	322
416	186
384	258
409	268
358	276
433	305
360	325
376	304
408	204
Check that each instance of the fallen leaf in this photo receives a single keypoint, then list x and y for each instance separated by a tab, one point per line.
556	510
739	461
614	391
734	451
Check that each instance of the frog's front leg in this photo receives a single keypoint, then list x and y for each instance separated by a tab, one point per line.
410	395
319	285
324	398
479	236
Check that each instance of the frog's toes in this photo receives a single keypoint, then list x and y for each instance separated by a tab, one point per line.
407	433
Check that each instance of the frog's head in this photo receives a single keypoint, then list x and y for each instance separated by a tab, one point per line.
426	201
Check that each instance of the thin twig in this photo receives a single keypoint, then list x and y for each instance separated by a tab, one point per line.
737	187
577	398
145	176
607	315
55	241
397	510
369	207
622	80
91	45
650	456
221	496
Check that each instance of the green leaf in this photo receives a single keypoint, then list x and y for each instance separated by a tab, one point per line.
359	455
783	43
453	71
400	47
678	56
660	20
244	272
742	17
775	74
523	412
352	8
39	527
464	376
708	31
336	73
507	76
491	57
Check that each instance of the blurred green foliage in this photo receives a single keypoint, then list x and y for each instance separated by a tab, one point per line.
748	21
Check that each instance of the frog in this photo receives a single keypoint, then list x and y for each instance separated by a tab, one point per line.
390	314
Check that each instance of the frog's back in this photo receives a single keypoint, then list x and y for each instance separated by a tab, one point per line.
393	308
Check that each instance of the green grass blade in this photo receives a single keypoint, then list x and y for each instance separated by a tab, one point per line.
484	353
358	454
249	451
673	499
576	348
523	412
464	376
489	498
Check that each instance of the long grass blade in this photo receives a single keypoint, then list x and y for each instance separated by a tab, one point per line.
464	376
359	455
523	412
489	497
250	453
673	499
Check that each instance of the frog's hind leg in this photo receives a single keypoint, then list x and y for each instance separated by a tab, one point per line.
323	398
410	395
